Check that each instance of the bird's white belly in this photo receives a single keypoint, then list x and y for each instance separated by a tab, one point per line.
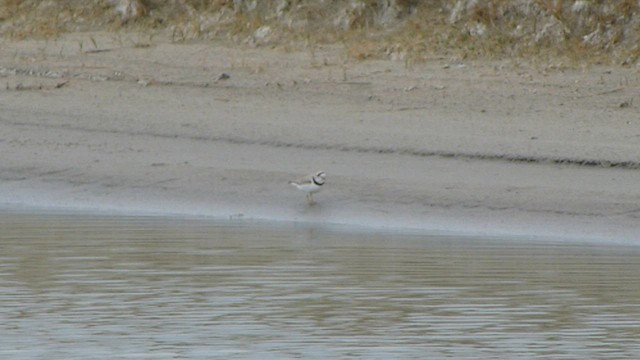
310	188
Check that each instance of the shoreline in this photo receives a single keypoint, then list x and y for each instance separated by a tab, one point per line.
432	147
457	222
360	227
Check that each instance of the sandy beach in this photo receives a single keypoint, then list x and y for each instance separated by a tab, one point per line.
99	122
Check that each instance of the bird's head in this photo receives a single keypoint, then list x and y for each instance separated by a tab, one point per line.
319	177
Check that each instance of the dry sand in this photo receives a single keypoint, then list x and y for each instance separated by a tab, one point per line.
98	121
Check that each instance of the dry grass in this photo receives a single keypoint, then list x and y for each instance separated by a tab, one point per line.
408	30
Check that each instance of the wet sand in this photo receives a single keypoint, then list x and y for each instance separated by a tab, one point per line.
500	148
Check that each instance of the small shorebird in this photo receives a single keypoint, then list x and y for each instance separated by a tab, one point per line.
310	184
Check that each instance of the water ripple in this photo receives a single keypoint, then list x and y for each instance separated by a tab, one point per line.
92	287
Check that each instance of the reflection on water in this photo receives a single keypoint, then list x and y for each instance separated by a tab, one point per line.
79	286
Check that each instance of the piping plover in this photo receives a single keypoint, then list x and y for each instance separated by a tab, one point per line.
310	184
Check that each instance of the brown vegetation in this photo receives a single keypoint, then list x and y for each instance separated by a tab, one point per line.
595	31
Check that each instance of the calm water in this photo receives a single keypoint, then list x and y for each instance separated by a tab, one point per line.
100	287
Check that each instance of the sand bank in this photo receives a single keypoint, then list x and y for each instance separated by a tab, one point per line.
478	147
